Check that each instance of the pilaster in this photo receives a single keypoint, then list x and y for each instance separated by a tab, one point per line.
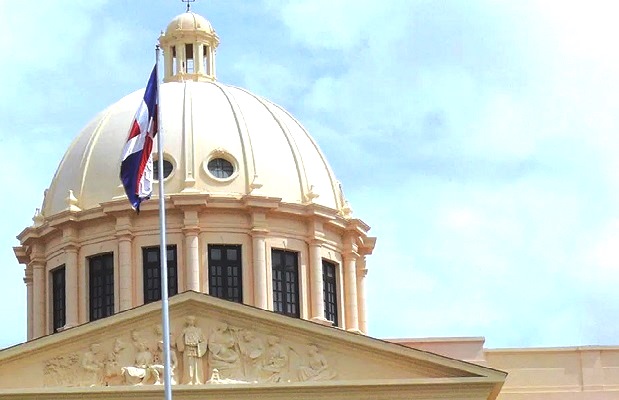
259	233
350	257
124	237
191	229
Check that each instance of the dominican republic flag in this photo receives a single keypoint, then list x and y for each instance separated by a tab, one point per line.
136	168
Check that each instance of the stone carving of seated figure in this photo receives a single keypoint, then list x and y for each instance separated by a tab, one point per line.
223	355
317	368
143	370
275	362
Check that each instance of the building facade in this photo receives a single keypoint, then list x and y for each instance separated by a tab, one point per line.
266	265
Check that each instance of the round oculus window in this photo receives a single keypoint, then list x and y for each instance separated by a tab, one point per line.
167	169
220	168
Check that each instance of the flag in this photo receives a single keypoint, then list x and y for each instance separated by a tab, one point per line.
136	168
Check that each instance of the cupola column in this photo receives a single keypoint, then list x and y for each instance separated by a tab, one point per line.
28	282
361	274
260	269
125	265
259	233
70	239
38	297
350	257
316	284
71	287
191	230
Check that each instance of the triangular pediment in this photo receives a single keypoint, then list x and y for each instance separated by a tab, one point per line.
247	346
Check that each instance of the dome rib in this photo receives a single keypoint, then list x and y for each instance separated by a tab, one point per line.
242	131
302	175
334	184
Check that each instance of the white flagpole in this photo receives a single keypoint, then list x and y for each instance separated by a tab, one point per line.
163	253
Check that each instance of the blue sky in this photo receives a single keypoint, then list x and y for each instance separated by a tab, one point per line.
477	138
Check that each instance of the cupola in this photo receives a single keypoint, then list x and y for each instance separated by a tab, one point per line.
188	46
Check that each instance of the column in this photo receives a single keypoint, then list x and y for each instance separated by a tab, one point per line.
260	269
82	282
29	300
316	284
361	273
125	273
191	229
71	287
38	299
350	291
193	259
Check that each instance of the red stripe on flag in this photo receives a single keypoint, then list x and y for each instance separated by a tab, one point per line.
148	147
134	131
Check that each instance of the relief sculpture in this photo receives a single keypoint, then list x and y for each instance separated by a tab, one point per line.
223	352
93	366
61	370
275	362
252	351
158	360
316	368
192	344
227	355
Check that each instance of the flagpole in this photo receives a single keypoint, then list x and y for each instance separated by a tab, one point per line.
163	253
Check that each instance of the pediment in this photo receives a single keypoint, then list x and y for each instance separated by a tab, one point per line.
245	345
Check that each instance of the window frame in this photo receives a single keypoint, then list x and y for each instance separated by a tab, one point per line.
280	275
227	265
107	286
327	283
59	299
156	266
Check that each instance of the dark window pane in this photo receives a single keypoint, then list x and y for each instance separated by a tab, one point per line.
329	291
58	298
151	268
167	169
101	287
220	168
285	282
225	272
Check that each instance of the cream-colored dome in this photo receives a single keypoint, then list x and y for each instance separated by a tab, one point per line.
189	21
272	154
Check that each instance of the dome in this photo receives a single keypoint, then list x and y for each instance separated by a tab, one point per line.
189	21
261	150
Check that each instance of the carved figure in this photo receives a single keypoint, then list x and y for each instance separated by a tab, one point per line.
317	368
223	355
158	360
92	366
112	372
252	350
143	371
275	361
191	343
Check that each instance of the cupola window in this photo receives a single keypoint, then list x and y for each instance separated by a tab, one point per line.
285	282
189	58
205	66
174	66
151	268
167	169
225	275
58	298
329	285
101	286
220	168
